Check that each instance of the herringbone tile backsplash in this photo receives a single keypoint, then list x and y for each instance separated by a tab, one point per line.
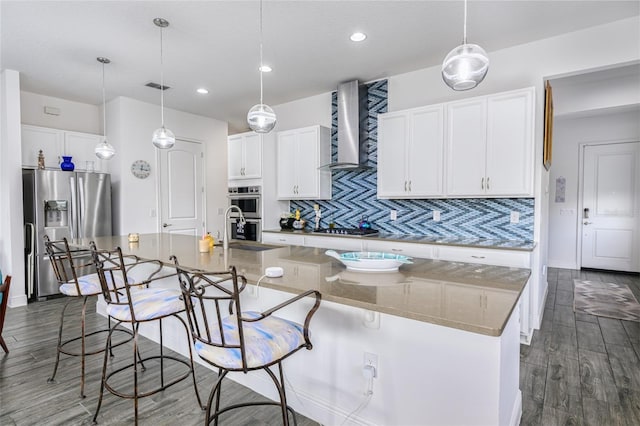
354	197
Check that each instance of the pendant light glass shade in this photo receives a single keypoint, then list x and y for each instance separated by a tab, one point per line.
261	118
163	138
104	150
466	65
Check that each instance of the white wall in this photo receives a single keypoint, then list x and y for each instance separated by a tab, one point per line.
568	135
76	116
130	124
513	68
11	234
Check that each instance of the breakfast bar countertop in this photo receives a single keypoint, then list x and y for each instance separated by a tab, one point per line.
475	242
470	297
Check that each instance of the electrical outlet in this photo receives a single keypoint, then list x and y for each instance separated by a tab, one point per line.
372	360
515	217
436	215
394	215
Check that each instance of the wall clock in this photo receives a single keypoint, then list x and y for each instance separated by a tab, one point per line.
141	169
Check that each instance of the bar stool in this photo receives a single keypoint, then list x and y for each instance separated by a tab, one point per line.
67	265
4	298
137	304
236	341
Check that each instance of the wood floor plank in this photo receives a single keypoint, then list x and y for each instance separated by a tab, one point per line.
630	403
590	337
562	389
565	285
599	413
596	378
564	297
563	315
564	342
556	417
613	331
633	330
531	412
533	381
625	365
584	317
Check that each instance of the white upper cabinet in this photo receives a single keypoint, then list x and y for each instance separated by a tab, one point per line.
245	156
490	146
55	143
410	153
300	153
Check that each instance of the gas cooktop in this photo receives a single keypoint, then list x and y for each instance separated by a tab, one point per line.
347	231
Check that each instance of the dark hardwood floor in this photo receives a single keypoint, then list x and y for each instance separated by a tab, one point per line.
581	369
27	399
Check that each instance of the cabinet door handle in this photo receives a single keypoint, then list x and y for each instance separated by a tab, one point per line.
477	257
396	249
482	183
282	239
405	186
409	186
488	183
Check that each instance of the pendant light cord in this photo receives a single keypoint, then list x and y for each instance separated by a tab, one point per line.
161	82
464	36
261	64
104	107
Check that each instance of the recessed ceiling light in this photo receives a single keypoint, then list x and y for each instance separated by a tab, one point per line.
358	36
265	68
202	91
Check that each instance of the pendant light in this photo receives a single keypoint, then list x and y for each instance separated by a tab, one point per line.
104	150
466	65
261	117
163	138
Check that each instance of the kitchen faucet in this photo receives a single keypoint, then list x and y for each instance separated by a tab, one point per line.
225	241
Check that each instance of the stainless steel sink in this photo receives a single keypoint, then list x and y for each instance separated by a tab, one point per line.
251	247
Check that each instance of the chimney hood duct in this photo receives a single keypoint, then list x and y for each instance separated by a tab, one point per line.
353	134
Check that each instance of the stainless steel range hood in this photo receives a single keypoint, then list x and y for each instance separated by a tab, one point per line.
353	134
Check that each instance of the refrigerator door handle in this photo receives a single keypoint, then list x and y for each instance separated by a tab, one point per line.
81	212
30	230
73	222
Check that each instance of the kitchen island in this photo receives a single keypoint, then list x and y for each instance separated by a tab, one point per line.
444	335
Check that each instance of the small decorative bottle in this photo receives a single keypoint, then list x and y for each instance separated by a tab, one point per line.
66	164
40	160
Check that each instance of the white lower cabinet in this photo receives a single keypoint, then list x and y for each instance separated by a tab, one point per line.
282	239
423	251
512	258
336	243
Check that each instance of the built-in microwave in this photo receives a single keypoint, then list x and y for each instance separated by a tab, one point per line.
250	230
248	199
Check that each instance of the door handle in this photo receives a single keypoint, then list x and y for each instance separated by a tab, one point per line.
405	186
587	222
585	213
482	183
488	183
164	225
409	186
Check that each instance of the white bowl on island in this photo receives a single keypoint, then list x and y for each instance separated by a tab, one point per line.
370	261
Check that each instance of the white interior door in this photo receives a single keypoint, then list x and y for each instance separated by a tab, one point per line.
611	207
182	188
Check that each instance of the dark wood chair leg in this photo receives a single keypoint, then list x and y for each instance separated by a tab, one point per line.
4	345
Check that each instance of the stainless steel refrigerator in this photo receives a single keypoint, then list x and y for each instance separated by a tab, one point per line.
60	204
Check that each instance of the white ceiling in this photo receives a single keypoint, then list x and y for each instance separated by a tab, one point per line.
214	44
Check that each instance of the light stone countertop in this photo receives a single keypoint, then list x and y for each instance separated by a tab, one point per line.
465	296
476	242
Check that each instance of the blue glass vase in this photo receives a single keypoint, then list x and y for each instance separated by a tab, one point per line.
66	164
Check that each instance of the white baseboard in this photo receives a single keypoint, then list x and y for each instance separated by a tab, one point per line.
537	321
15	301
561	264
516	414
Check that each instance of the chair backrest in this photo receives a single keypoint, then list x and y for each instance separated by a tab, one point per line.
4	299
67	263
208	298
114	269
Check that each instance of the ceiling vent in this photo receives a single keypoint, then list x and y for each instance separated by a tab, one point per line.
157	86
